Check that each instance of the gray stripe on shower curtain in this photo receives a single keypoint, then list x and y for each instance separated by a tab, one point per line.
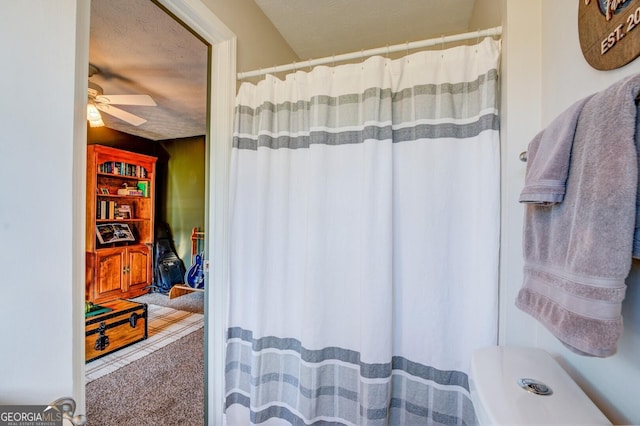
369	133
284	367
477	104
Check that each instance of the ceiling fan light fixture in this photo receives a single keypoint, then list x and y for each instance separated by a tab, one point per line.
97	102
93	116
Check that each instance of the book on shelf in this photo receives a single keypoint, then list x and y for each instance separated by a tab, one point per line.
111	210
121	168
114	233
124	211
102	211
143	187
132	191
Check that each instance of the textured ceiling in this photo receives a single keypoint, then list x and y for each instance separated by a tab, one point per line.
316	29
142	50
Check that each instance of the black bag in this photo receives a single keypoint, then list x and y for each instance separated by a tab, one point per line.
170	272
168	267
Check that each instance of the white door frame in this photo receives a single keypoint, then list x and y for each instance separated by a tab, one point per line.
222	87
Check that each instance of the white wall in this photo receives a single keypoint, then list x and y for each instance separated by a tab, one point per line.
486	14
260	45
544	72
38	162
520	121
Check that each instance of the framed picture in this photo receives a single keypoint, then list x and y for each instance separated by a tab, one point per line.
104	190
113	233
125	211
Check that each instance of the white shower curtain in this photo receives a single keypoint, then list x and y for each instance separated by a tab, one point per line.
364	241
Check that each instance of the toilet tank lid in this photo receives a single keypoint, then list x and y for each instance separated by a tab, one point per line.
494	382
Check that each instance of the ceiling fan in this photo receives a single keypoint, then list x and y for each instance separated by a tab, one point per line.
98	101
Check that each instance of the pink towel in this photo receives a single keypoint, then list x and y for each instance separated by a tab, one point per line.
548	158
578	252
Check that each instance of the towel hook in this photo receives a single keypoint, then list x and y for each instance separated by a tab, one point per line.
523	156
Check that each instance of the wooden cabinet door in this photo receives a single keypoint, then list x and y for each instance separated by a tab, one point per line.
110	278
139	267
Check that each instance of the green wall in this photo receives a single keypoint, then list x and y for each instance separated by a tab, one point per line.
184	204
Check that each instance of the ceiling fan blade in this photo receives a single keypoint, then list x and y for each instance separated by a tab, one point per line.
122	115
143	100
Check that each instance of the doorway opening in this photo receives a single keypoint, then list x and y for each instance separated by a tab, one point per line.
221	53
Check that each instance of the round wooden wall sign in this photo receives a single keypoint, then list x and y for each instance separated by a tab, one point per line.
609	32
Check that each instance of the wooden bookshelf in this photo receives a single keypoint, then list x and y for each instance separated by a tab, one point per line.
120	204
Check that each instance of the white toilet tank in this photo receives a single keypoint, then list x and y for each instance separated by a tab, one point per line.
501	397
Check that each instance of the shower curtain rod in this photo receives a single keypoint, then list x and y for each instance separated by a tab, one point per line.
495	31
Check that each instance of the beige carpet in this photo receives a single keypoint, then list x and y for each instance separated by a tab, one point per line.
165	325
165	388
191	302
